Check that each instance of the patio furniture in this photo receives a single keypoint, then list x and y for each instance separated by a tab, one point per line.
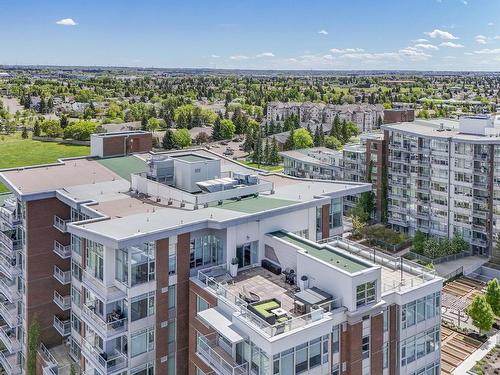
248	297
279	312
263	309
299	308
289	276
268	265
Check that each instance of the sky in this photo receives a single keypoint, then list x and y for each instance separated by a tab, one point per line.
253	34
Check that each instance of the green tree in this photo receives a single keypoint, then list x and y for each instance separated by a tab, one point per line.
36	129
33	345
364	206
419	242
267	152
481	313
201	138
289	145
51	128
217	130
182	138
153	124
63	121
274	154
168	141
493	296
332	142
81	130
24	134
302	139
227	129
458	244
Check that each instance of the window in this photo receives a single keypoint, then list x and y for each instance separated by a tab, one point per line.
315	353
171	364
201	304
172	297
142	342
94	261
301	358
172	333
385	358
142	306
76	270
417	311
142	261
147	369
386	319
335	219
365	347
205	250
172	259
365	294
419	345
76	244
76	323
335	339
121	265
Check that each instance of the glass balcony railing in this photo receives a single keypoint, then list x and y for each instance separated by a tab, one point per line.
211	352
10	363
105	362
10	242
64	277
64	251
63	326
64	302
61	223
9	314
115	324
8	288
9	339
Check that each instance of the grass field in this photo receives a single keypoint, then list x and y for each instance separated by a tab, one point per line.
269	168
18	152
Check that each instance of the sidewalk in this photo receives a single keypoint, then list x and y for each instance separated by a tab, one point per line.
466	365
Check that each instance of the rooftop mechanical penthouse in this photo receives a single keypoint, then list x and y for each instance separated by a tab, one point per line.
191	263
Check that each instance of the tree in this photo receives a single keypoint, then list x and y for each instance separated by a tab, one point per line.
274	158
201	138
364	206
144	123
63	121
332	142
24	134
168	141
289	145
419	242
81	130
458	244
257	152
317	137
217	130
493	296
302	139
36	129
33	345
153	124
227	129
357	225
267	152
51	128
481	313
182	138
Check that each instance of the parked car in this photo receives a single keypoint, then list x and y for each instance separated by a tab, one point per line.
228	151
224	143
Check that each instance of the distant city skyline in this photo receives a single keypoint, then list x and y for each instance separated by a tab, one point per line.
279	34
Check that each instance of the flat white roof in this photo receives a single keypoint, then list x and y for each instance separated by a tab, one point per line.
215	318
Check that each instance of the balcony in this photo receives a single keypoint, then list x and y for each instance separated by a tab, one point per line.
9	339
64	303
98	287
10	242
9	314
10	218
10	363
115	325
62	326
61	224
211	351
9	289
10	266
479	242
64	277
106	363
64	251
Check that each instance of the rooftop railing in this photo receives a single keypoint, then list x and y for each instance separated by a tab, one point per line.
207	277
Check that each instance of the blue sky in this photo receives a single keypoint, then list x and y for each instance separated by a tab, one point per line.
272	34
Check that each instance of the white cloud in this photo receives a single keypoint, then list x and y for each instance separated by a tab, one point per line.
465	2
436	33
214	56
323	32
451	45
420	40
346	50
265	54
426	46
238	57
488	51
408	53
491	23
66	22
482	39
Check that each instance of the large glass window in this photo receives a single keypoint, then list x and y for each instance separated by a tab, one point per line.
172	259
335	213
247	254
142	306
94	261
172	297
417	311
419	345
205	250
121	265
365	293
201	304
365	347
142	341
142	263
302	358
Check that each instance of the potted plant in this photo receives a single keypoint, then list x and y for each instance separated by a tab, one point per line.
233	267
303	282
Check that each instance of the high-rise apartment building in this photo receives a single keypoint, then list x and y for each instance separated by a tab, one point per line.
443	178
190	263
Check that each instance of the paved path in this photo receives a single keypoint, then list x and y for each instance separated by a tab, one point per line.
477	355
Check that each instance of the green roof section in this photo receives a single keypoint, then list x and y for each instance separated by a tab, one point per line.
325	253
124	166
254	204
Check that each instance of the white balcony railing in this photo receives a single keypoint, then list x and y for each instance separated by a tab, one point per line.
9	314
9	289
212	353
62	326
61	223
9	243
9	217
64	251
106	363
108	329
10	363
9	339
64	277
64	302
10	266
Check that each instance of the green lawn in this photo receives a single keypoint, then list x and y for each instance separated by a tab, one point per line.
18	152
269	168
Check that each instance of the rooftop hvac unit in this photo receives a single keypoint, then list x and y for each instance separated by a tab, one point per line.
246	178
218	184
161	168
